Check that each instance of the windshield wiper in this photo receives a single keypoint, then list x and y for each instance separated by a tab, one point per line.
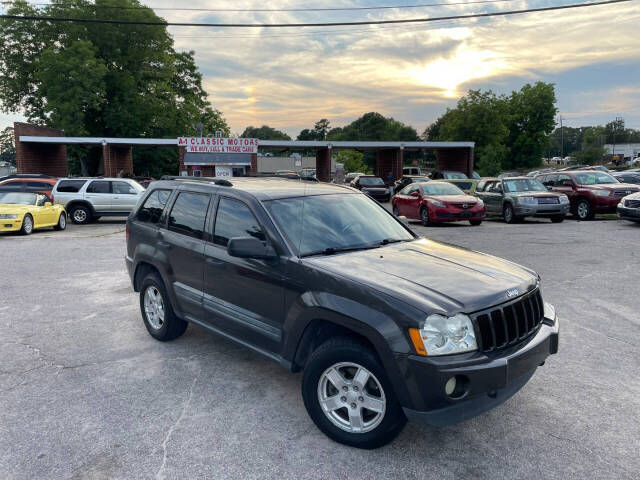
332	250
387	241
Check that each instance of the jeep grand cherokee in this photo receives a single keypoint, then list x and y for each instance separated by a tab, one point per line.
385	325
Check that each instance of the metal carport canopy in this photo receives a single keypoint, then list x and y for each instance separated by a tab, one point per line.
263	144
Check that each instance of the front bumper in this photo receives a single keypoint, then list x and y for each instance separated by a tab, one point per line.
453	214
543	210
490	380
10	224
632	214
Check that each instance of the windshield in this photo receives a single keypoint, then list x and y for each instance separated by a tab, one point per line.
524	185
434	188
320	223
594	178
453	175
18	198
371	182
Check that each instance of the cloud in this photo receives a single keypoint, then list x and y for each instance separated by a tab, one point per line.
290	77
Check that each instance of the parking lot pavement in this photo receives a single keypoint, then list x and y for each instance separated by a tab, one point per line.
85	392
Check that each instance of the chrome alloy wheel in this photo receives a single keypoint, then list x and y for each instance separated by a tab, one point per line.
80	215
154	307
351	397
27	224
583	210
62	221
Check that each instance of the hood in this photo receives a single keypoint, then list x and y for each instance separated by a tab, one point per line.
14	208
454	198
432	276
535	194
633	196
375	189
612	186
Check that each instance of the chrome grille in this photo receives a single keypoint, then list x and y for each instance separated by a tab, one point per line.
507	324
622	193
548	200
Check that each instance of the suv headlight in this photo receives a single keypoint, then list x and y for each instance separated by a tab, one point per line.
564	199
442	335
527	200
8	215
601	193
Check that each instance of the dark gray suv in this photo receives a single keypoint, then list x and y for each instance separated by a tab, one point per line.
387	326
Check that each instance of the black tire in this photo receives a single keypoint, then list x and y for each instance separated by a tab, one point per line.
509	215
62	222
80	214
345	349
396	212
171	327
557	219
424	217
475	223
27	225
584	211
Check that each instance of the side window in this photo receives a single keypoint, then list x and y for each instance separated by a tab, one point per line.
123	188
481	185
414	188
40	185
13	186
405	190
234	219
99	186
561	179
153	206
189	213
549	180
70	186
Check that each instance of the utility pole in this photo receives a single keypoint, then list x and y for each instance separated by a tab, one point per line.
615	129
561	139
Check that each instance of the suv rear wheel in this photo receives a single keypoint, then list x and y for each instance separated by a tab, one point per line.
348	396
157	312
80	214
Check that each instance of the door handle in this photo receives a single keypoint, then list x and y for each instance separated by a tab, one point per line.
163	244
214	262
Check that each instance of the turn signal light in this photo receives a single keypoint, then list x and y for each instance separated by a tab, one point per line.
414	333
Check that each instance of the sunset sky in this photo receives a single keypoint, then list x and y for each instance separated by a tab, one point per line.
290	77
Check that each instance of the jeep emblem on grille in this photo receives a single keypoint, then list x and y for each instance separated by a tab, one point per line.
513	292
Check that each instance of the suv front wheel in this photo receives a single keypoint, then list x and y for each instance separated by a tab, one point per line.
348	396
157	312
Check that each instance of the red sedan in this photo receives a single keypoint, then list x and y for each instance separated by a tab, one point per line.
434	202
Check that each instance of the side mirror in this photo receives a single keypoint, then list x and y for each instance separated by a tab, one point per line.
404	220
414	194
250	247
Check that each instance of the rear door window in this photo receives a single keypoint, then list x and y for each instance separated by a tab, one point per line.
70	186
153	206
13	186
123	188
189	213
99	186
234	219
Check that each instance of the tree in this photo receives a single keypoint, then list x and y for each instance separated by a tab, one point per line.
478	117
7	146
307	135
321	128
530	120
592	149
103	79
353	161
264	133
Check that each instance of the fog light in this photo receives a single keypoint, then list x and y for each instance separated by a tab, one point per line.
450	386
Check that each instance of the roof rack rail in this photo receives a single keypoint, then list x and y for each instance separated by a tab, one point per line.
218	181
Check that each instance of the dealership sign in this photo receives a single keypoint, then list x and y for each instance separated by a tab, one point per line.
218	145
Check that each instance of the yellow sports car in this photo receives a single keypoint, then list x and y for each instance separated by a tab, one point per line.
24	212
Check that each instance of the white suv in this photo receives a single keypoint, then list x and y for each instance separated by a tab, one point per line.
87	199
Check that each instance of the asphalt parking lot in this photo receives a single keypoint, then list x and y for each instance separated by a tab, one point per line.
85	392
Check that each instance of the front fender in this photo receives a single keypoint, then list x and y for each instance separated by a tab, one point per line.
381	330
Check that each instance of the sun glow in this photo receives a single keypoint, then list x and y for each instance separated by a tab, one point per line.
448	73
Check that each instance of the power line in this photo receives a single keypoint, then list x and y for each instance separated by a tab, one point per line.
298	25
312	9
